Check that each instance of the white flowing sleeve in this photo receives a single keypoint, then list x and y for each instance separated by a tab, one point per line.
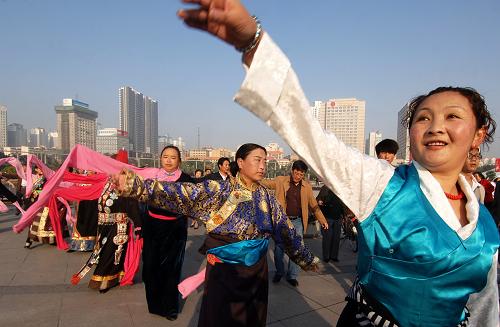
483	306
271	91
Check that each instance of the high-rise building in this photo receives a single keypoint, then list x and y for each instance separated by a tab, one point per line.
139	117
110	140
371	142
318	111
53	141
151	125
76	124
38	137
403	135
343	117
3	126
17	135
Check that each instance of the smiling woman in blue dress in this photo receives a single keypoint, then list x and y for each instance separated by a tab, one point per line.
427	248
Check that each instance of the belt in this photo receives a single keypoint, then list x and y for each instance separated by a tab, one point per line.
293	217
162	217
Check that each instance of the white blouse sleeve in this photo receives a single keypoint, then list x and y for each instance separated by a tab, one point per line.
483	306
272	92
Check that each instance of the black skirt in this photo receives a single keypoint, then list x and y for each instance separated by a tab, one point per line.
162	257
234	295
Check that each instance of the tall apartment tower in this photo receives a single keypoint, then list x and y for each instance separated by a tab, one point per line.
3	126
403	135
16	135
139	117
373	139
343	117
76	124
38	137
53	140
151	125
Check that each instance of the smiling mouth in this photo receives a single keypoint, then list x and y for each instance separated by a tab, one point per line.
435	143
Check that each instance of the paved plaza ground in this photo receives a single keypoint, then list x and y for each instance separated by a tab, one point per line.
35	289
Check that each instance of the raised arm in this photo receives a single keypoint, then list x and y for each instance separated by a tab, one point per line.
190	199
272	92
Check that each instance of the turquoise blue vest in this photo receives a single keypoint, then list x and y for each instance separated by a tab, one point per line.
414	264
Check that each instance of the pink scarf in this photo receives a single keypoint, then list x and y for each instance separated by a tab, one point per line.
83	158
47	172
164	176
20	172
16	164
188	285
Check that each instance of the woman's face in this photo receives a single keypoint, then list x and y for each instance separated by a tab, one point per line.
170	160
443	131
253	167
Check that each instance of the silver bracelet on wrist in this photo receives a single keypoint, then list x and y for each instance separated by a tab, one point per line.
255	40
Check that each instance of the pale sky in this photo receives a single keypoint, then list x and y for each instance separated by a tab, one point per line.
383	52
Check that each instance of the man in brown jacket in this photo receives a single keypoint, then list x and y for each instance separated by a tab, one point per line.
295	195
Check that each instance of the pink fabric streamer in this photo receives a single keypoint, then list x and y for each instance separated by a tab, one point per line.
91	190
18	206
16	164
3	207
47	172
83	158
20	172
188	285
132	258
69	216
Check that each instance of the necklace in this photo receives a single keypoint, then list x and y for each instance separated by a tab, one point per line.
458	196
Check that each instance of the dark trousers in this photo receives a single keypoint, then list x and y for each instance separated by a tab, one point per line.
162	258
331	239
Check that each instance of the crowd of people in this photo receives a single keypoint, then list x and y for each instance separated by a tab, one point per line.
427	231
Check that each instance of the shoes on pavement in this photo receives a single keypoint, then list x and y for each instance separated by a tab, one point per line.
293	282
172	317
276	278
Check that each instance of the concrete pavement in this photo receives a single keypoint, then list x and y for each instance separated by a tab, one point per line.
35	289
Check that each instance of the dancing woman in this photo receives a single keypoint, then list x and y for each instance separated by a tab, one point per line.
427	249
240	216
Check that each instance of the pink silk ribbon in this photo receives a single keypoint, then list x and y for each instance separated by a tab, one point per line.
188	285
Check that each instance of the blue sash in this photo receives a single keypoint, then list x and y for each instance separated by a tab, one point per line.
246	252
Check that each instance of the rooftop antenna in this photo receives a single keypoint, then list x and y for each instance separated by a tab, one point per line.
198	145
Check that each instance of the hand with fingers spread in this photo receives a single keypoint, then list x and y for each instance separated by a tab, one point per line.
226	19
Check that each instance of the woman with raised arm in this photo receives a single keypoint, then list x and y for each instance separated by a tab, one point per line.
427	249
240	216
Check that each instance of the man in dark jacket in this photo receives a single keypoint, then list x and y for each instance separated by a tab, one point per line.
333	209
